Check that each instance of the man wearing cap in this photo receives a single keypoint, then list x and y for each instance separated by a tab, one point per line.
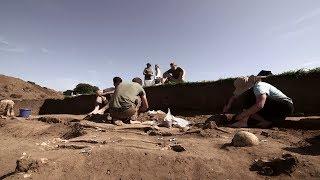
262	102
148	73
127	100
175	74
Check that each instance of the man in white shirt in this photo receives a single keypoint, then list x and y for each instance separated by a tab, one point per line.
158	75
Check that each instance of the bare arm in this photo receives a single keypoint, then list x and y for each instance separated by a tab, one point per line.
260	102
144	103
96	108
167	72
181	74
230	102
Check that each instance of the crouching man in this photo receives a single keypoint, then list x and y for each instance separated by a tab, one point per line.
6	107
103	97
128	100
263	102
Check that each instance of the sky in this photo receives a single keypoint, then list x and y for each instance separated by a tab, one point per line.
60	43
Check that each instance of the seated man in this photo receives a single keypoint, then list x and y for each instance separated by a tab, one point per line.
103	97
6	107
127	101
174	75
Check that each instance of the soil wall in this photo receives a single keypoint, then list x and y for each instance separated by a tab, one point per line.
194	98
76	105
34	105
211	97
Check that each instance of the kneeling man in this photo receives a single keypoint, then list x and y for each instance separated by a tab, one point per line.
6	107
128	100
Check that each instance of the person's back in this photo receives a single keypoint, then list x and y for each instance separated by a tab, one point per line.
176	73
6	107
126	95
148	73
263	87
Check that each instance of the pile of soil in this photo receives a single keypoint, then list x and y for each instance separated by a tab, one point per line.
14	88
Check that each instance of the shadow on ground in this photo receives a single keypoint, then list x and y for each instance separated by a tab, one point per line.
313	147
307	123
7	175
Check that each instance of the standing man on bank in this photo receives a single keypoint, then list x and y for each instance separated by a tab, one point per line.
148	74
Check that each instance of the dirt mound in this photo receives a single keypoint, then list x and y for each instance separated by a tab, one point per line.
26	164
14	88
76	131
286	164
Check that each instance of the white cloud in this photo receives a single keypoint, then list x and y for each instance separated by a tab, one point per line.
2	41
296	32
311	63
13	50
307	16
8	47
45	50
297	26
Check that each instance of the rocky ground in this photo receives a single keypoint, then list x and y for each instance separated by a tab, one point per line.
68	147
18	89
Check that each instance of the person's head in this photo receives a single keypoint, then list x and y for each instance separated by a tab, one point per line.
99	92
137	80
148	65
173	66
116	81
244	83
156	66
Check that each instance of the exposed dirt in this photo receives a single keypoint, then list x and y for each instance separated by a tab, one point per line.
210	97
129	152
17	89
197	98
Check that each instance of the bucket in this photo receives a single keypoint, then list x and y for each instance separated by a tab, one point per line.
25	113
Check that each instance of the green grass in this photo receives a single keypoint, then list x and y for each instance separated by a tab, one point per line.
292	73
299	72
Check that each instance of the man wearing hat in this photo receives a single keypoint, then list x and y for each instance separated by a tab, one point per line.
148	73
262	102
175	74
